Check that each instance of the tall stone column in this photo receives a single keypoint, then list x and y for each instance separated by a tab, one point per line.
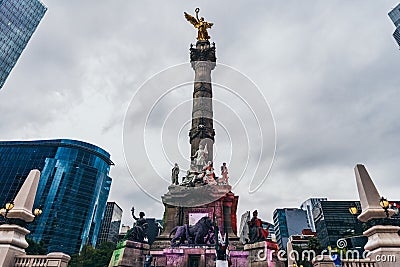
383	240
12	234
202	132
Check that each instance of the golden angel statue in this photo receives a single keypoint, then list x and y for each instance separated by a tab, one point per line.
200	25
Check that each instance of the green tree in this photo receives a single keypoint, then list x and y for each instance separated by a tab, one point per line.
305	251
313	244
93	257
35	248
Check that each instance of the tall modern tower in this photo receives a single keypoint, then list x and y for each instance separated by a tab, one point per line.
73	188
395	17
110	224
18	20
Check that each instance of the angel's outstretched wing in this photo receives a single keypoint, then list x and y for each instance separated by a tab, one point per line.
191	19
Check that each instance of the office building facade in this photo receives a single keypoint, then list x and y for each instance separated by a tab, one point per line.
288	221
308	206
395	17
334	221
110	224
73	188
18	21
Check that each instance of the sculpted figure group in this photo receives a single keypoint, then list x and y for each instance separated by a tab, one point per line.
199	234
200	171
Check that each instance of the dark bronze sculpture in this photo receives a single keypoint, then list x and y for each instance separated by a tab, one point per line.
256	232
199	234
138	233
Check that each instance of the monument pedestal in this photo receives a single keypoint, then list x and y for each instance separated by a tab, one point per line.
384	245
12	243
262	254
239	258
189	256
185	204
130	254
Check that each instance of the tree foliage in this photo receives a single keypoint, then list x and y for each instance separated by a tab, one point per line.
93	257
303	252
315	245
35	248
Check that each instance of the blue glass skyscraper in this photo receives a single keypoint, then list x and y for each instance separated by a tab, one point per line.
73	188
18	21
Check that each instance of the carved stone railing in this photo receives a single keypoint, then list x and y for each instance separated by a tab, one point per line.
55	259
326	261
358	263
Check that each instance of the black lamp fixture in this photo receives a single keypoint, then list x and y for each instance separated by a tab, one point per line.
9	206
385	205
38	211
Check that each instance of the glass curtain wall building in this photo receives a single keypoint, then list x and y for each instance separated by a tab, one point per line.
110	224
73	188
18	20
334	221
289	221
308	206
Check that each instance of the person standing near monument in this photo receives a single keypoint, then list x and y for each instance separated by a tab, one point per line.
147	260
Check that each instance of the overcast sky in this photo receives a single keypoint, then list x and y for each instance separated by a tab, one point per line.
329	71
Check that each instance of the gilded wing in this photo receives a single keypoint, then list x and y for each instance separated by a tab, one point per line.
191	19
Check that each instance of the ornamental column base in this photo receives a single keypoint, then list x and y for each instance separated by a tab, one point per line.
383	245
12	243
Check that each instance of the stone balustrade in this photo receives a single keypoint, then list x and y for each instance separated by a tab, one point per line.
358	263
326	261
54	259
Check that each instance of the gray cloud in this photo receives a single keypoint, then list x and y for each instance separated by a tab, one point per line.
328	70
